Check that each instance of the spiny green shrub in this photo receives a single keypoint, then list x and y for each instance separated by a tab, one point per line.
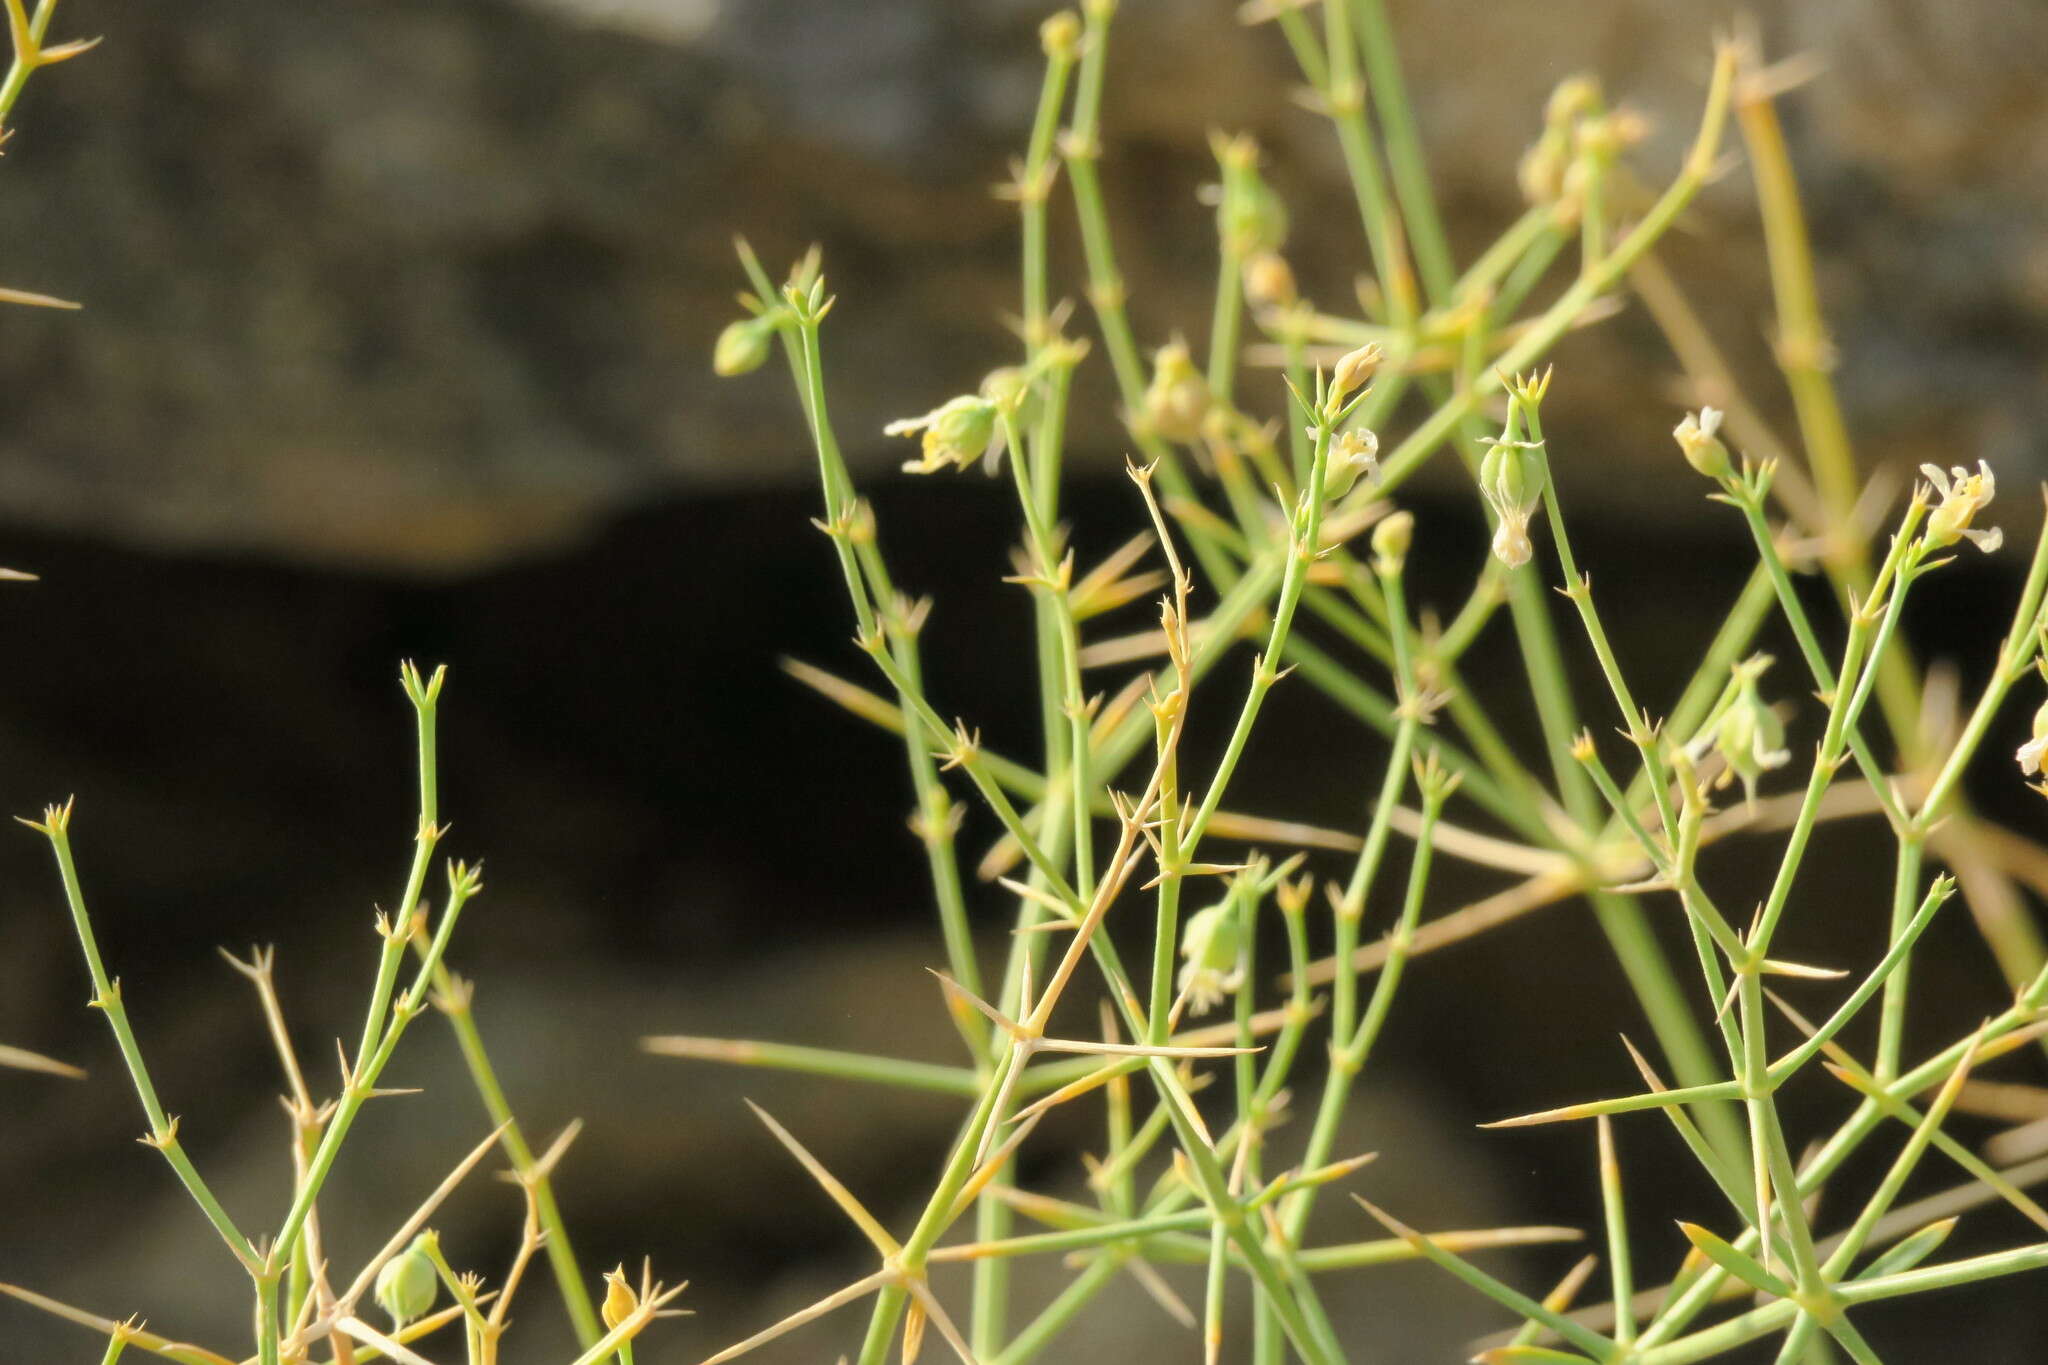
1308	555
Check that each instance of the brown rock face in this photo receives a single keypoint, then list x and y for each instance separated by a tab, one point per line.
430	285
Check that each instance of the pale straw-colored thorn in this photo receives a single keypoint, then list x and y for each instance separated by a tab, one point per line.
922	1291
869	1225
1160	1292
859	1289
1072	1090
1801	970
956	991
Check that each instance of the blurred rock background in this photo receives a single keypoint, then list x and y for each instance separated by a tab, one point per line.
398	318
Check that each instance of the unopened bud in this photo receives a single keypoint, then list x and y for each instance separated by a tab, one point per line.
1008	387
1269	281
1060	35
1390	542
1178	398
1541	170
1611	134
619	1298
1574	95
1252	218
1353	369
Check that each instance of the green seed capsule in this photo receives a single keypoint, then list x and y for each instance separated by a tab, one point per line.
1210	942
407	1284
1750	738
742	347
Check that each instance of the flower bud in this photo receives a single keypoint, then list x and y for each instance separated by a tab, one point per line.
1353	370
1574	95
1390	542
1060	35
743	346
1252	218
1210	941
1698	438
1605	138
1178	398
1269	281
619	1298
407	1283
1008	387
1540	173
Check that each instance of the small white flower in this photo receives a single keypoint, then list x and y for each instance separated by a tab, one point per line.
1511	538
1963	495
2032	753
1699	438
957	432
1360	450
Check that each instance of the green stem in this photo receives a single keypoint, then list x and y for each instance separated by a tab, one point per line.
266	1319
1891	1029
25	61
163	1129
457	1005
362	1082
1426	237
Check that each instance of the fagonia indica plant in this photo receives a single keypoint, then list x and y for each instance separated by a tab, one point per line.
1274	504
1267	471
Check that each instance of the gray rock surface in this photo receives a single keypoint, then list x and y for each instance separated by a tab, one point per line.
426	285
